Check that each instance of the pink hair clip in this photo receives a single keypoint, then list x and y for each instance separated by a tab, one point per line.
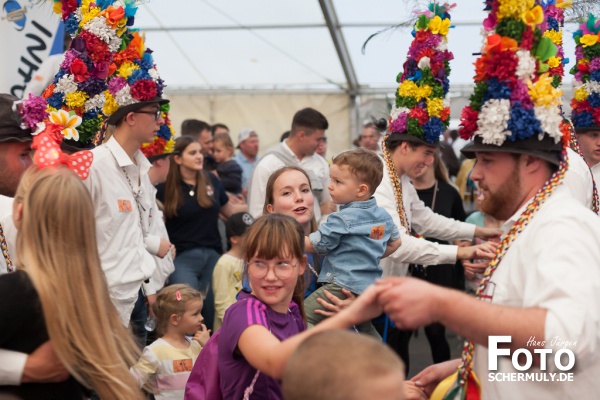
178	295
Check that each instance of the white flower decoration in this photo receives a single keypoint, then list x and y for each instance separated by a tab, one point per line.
424	63
550	119
492	122
40	127
68	121
592	87
526	66
66	84
107	34
96	102
123	97
443	46
396	112
153	74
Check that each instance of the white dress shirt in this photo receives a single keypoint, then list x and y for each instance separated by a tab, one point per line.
425	222
553	264
579	179
121	240
271	163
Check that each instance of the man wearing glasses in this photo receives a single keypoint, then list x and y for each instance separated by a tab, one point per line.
125	207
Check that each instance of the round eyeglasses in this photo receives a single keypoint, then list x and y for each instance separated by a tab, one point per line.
259	269
155	113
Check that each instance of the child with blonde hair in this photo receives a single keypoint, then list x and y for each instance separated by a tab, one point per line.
167	362
228	170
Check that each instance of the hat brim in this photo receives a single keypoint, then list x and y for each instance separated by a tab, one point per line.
545	149
72	146
587	129
123	111
405	137
163	155
23	136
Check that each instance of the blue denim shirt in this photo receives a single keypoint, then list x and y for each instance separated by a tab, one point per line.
354	239
247	168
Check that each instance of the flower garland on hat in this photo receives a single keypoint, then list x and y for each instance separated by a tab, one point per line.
164	141
585	104
107	67
515	97
554	13
420	109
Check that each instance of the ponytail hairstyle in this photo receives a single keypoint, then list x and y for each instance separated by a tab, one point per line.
174	198
57	249
172	300
277	235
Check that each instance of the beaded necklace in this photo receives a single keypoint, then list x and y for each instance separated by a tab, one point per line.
540	197
396	184
574	142
4	246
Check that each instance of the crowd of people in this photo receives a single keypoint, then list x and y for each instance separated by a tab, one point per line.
139	265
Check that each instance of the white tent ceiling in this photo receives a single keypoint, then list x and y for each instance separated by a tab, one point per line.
286	45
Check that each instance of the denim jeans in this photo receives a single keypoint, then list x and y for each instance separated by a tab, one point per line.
195	268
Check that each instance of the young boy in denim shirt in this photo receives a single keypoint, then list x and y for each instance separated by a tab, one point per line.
355	238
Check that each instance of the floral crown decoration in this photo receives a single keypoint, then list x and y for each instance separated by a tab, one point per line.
515	95
106	67
420	110
164	141
552	28
585	104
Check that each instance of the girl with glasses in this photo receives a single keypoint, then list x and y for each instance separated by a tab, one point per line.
262	329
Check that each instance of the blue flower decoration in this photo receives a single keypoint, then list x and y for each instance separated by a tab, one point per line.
522	123
553	24
164	132
56	100
137	75
71	24
582	119
90	115
594	100
595	76
433	129
497	90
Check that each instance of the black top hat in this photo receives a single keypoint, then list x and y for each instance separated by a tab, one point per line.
11	128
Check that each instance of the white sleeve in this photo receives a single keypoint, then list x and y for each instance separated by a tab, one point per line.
12	365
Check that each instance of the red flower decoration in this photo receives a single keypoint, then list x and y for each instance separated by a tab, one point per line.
468	123
445	114
596	115
527	39
49	91
144	89
503	66
79	69
419	114
68	7
97	49
583	67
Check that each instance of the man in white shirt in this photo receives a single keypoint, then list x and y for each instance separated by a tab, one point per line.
42	365
589	142
308	128
124	203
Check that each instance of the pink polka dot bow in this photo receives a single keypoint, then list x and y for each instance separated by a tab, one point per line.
49	154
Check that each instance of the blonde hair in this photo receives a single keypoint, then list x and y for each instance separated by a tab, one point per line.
364	164
172	300
225	139
57	248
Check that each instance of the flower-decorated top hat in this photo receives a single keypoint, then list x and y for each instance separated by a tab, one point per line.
420	113
585	104
106	73
515	105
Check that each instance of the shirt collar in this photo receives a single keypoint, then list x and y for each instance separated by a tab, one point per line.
123	159
360	204
287	148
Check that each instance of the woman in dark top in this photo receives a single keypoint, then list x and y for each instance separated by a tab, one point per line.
192	200
437	193
59	293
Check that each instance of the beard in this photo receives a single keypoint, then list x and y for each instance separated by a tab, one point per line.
501	204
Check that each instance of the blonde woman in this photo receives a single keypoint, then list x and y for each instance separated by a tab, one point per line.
59	293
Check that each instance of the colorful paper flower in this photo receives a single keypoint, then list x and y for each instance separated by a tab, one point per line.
68	122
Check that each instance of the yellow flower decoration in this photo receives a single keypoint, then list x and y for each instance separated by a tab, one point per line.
514	8
439	26
589	40
543	93
555	36
57	7
69	121
580	94
564	3
408	89
423	92
76	99
126	69
435	107
88	14
535	16
110	105
553	62
170	146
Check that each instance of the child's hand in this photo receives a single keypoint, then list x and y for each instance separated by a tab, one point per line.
202	335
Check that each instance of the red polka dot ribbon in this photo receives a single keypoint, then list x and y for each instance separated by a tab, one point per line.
49	154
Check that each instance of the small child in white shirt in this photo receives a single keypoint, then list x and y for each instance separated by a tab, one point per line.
166	364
